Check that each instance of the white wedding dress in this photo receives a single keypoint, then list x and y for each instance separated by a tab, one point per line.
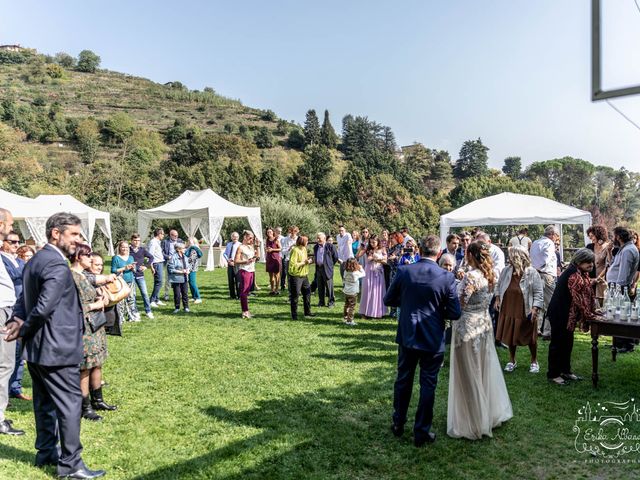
478	397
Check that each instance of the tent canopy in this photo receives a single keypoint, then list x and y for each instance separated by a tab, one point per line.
32	214
204	211
513	209
88	215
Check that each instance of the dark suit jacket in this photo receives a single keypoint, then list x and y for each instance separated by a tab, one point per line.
426	295
51	310
166	250
330	258
14	273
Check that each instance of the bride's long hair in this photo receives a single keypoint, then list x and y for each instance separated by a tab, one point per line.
479	256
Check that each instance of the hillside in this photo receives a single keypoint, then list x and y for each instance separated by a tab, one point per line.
121	142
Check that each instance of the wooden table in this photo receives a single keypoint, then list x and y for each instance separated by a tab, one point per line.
613	329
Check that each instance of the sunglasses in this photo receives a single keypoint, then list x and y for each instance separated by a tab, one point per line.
13	242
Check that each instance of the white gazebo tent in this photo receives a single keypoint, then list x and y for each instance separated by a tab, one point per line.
90	217
202	210
22	209
514	209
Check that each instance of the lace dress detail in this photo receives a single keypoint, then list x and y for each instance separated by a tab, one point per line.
475	297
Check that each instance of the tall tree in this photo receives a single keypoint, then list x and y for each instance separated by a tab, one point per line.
512	167
311	129
472	161
315	170
328	136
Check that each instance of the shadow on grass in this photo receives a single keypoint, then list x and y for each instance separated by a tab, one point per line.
316	435
7	452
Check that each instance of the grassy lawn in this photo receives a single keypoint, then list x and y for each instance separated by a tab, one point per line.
211	396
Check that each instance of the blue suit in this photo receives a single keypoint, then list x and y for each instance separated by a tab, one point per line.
426	295
52	338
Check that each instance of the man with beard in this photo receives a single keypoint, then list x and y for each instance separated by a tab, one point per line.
622	271
48	319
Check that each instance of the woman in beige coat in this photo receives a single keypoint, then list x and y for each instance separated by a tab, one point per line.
520	293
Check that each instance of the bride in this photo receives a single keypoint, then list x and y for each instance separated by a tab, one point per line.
478	397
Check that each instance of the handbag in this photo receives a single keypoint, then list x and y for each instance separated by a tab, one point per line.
96	320
116	291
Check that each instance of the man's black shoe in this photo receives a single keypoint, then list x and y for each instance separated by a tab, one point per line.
309	314
430	438
84	473
6	428
397	430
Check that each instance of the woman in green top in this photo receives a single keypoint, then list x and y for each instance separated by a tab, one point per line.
299	278
123	264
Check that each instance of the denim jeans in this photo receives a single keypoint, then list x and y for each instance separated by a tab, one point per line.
193	286
157	280
142	285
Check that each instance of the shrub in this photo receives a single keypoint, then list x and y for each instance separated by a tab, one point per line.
65	60
263	138
296	139
55	71
268	116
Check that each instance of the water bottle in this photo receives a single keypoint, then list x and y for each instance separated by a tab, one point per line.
625	306
634	311
617	302
609	303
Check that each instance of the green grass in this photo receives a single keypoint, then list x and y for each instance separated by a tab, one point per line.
211	396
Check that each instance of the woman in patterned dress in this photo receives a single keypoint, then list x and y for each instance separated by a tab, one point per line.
94	343
478	397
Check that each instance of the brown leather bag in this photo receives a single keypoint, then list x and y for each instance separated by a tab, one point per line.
116	291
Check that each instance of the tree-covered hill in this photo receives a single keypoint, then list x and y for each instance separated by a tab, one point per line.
122	142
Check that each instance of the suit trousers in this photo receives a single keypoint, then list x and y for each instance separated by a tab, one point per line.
325	287
408	360
7	363
57	406
284	271
299	286
232	279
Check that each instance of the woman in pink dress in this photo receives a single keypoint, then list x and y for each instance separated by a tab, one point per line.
373	286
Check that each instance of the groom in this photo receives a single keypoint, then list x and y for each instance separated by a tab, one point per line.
426	295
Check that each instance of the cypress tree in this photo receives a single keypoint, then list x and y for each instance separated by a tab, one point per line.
311	129
328	136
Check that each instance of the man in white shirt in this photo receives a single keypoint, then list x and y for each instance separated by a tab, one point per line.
229	255
497	255
405	235
155	249
544	260
345	252
7	349
521	239
286	245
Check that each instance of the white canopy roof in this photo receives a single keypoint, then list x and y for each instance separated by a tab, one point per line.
88	215
202	210
513	209
32	214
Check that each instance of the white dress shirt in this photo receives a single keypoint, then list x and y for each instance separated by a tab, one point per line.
497	256
286	245
543	256
7	292
155	249
345	252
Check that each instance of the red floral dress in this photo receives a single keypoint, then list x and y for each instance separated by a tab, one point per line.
582	309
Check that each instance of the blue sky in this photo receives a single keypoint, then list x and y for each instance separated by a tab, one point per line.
514	72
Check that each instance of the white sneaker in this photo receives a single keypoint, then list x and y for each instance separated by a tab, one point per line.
161	302
351	323
150	315
535	368
186	310
510	367
154	305
177	310
198	300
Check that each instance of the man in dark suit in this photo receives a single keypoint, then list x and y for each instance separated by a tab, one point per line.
426	295
48	319
325	257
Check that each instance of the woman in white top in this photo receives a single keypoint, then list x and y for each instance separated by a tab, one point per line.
245	260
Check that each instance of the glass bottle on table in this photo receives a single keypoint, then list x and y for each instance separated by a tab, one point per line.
634	311
609	302
625	306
